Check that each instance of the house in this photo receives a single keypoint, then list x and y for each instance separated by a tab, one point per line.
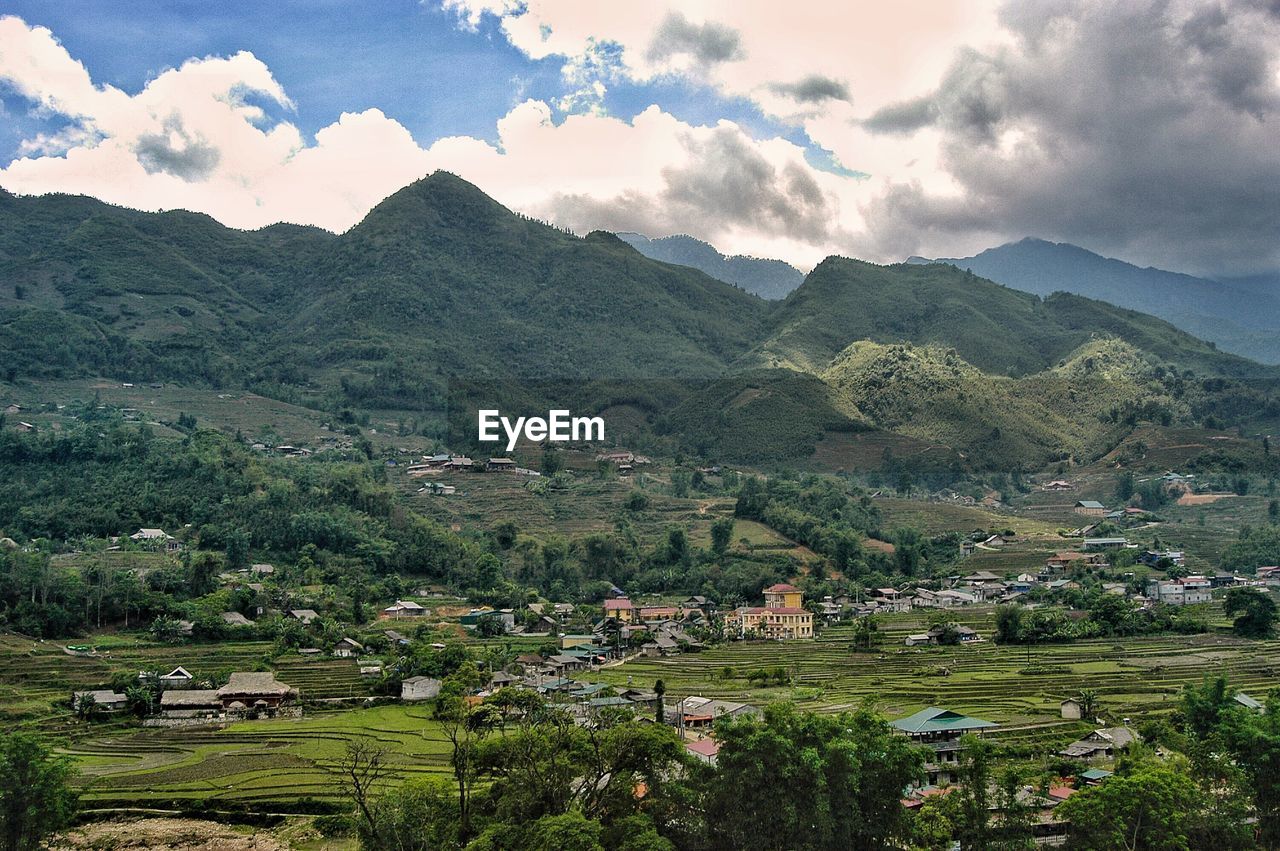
1090	508
460	462
347	647
438	489
934	635
500	465
404	609
703	750
1177	594
255	693
103	700
235	619
419	688
156	539
1104	543
262	569
951	597
1071	709
395	638
190	704
701	712
649	614
1153	558
306	616
781	616
25	427
697	601
178	678
620	609
562	663
981	577
940	730
1248	702
13	409
1057	485
1100	744
1093	776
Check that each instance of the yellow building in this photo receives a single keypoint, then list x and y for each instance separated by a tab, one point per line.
782	616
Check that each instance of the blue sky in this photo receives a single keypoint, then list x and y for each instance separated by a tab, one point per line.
1141	130
409	59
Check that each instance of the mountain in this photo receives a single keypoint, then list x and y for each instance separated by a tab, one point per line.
1239	316
441	299
770	279
1000	330
438	281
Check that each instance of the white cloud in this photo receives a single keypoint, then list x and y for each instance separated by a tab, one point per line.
192	138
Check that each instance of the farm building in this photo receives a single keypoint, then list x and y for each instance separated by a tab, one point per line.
940	730
103	700
419	688
1100	744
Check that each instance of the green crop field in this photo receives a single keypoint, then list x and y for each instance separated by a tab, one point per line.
263	764
1018	687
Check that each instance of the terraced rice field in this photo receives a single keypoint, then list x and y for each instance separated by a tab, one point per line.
1018	687
37	677
278	765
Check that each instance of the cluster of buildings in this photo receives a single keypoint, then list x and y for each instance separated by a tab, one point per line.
246	695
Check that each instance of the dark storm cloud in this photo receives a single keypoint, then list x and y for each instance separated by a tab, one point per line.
727	184
814	88
1130	128
709	43
193	160
906	117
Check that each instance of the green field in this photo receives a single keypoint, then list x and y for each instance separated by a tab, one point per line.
1018	687
263	764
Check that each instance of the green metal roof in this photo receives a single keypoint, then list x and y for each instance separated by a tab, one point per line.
1095	774
933	720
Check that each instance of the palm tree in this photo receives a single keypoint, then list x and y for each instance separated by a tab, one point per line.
1088	702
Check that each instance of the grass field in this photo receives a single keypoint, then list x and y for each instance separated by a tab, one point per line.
1018	687
37	677
261	764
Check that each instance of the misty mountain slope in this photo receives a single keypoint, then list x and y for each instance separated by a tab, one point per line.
770	279
1239	318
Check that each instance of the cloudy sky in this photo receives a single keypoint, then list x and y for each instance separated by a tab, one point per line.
1144	129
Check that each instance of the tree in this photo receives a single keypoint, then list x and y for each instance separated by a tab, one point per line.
465	728
1254	742
1149	809
721	535
1088	699
1254	612
808	782
362	768
975	778
552	462
237	549
36	798
660	712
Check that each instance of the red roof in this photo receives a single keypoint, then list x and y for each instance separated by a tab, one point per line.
615	605
1061	793
704	747
781	588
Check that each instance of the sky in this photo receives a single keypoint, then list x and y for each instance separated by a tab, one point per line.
1145	130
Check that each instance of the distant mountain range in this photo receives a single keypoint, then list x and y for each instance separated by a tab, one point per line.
770	279
440	285
1240	316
